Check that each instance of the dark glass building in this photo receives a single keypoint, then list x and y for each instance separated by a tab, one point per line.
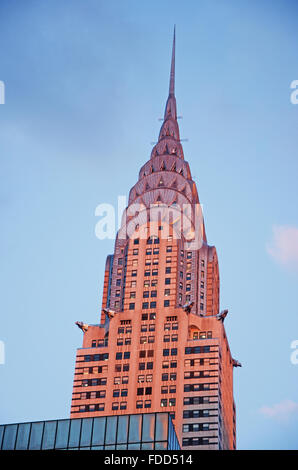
150	431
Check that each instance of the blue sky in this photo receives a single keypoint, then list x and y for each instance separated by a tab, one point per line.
85	84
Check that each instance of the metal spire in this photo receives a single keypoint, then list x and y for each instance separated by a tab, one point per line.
172	75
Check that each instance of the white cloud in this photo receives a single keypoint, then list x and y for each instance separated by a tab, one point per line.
281	411
284	245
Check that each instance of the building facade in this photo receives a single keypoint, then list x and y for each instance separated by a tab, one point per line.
161	344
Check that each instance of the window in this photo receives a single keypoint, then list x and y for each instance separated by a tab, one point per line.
119	271
173	352
127	340
143	339
125	379
155	261
123	405
118	355
118	282
142	366
168	259
134	262
142	353
133	284
140	391
125	367
147	272
150	339
166	338
154	272
126	355
134	272
149	365
141	379
167	292
147	403
131	306
115	406
173	376
136	241
150	353
135	251
189	255
153	304
169	249
167	326
166	303
145	305
154	293
152	316
153	239
168	270
148	251
166	352
152	327
167	280
149	377
116	393
165	377
172	401
148	391
144	316
188	276
120	330
164	402
155	251
174	337
164	389
146	294
116	304
146	283
139	404
132	295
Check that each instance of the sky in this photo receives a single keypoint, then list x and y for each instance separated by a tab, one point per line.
86	82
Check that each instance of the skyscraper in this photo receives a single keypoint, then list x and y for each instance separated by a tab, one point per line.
161	343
